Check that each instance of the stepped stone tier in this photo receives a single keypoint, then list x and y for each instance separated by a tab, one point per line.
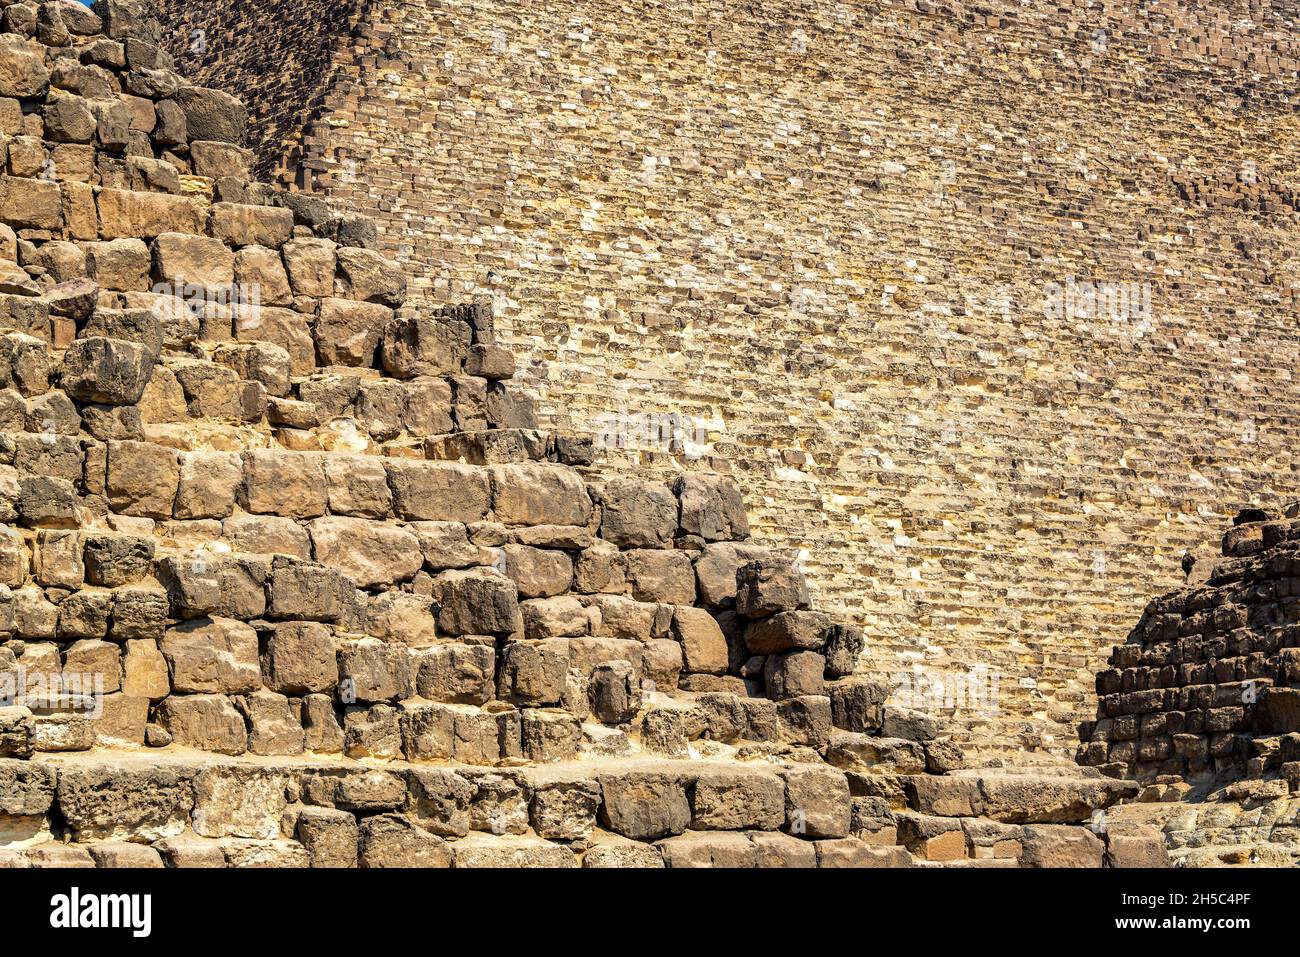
1208	684
1202	704
990	307
289	577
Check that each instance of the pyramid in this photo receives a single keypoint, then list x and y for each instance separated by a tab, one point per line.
291	578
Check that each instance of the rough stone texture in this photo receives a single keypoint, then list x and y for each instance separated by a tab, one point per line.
983	413
316	531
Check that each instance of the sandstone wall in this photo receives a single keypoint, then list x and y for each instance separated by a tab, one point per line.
821	236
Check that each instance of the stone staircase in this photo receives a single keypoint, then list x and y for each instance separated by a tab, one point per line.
288	578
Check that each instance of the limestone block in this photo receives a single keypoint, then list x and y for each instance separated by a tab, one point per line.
109	371
453	673
768	587
239	802
438	491
476	603
370	553
539	494
300	658
330	836
817	802
348	333
127	214
738	800
391	840
538	572
703	646
213	116
212	655
709	850
142	479
238	224
374	671
101	802
201	261
637	514
787	631
661	575
644	805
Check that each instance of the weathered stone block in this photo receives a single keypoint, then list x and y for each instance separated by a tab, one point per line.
238	224
372	671
330	836
538	572
348	333
459	674
709	850
438	491
212	655
116	560
560	617
539	494
704	648
738	800
644	805
291	484
476	603
817	802
239	802
308	591
300	658
661	575
126	214
637	514
548	735
368	552
391	840
794	674
787	631
614	692
1055	845
142	479
532	673
208	722
105	803
109	371
768	587
274	725
711	507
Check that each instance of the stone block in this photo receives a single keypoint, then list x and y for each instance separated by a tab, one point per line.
370	553
728	800
644	805
212	655
768	587
637	514
107	371
539	494
208	722
456	674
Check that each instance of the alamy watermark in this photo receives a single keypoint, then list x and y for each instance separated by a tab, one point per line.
243	299
925	689
1120	303
53	691
668	431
